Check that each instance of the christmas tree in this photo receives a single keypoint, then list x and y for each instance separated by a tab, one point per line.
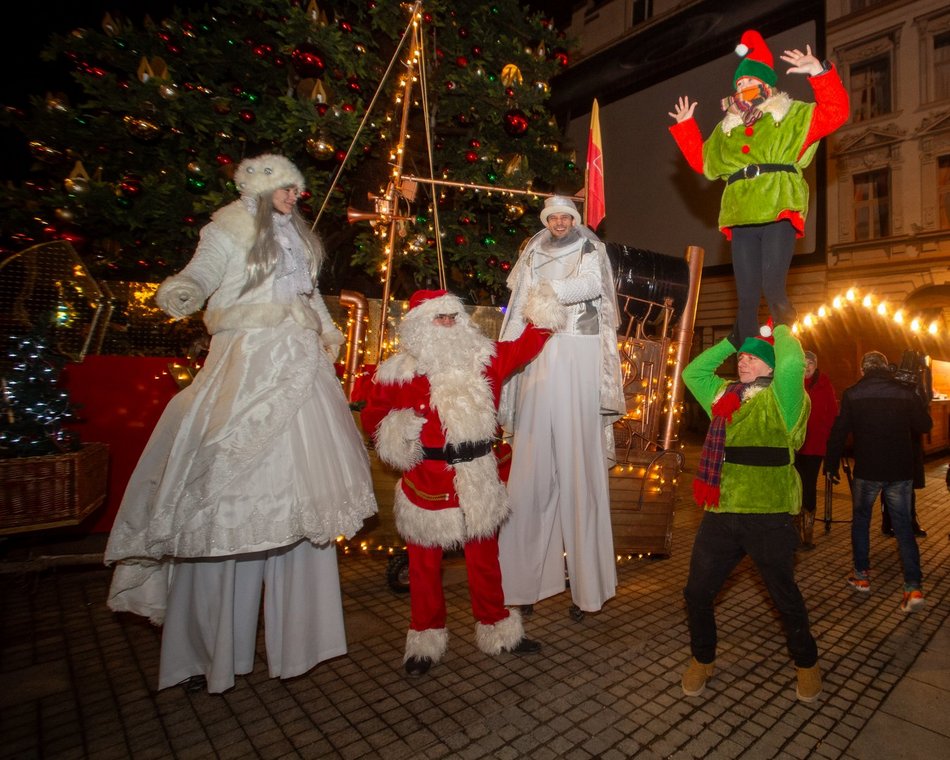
33	408
131	164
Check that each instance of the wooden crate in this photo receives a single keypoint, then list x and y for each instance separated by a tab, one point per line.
642	495
52	491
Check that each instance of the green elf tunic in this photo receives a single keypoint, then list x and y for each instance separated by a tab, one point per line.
773	417
787	134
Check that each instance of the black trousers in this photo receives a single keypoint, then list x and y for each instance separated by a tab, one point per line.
761	255
808	466
722	540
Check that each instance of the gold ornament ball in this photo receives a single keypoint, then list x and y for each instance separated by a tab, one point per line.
64	214
76	185
318	147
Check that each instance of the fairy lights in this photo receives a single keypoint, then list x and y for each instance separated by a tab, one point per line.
915	323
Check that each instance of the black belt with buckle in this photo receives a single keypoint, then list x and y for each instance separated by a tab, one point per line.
754	170
758	456
459	452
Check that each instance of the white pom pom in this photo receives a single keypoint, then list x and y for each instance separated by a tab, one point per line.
742	50
765	331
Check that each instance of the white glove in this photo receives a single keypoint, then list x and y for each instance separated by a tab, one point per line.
332	340
179	296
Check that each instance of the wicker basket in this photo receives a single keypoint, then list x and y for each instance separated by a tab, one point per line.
52	491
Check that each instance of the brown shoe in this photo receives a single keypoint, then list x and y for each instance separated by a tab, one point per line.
809	683
695	676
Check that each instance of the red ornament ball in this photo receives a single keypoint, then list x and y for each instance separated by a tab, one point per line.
460	239
463	32
308	61
515	122
461	61
505	266
247	116
449	85
471	156
340	155
474	144
493	261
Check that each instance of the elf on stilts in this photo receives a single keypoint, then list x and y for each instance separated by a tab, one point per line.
759	149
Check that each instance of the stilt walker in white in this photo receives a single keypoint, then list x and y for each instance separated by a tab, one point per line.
560	410
256	467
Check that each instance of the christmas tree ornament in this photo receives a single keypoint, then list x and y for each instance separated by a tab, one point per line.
194	167
247	116
460	239
156	68
505	266
141	128
488	241
168	91
560	55
544	87
312	90
449	85
77	183
196	184
471	156
492	261
514	211
515	122
316	15
129	187
64	214
319	147
308	61
461	61
511	75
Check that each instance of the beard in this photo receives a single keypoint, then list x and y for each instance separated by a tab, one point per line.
454	361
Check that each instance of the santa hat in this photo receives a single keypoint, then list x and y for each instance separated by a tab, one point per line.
761	345
266	173
559	204
425	305
756	59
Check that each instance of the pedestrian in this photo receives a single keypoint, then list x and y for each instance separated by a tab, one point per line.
883	418
748	487
560	410
808	459
760	149
256	467
432	412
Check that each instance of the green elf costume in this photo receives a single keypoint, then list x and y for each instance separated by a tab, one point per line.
760	149
748	485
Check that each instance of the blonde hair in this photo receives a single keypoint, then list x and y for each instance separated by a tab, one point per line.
262	258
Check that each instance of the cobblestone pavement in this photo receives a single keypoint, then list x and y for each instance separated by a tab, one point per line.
78	680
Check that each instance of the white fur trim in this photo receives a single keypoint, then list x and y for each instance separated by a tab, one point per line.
179	296
237	223
482	496
254	315
397	439
428	527
399	368
266	173
430	643
778	106
502	636
427	310
543	309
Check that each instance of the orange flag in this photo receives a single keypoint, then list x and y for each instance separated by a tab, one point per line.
594	205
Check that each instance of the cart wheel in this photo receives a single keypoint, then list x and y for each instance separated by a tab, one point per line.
397	573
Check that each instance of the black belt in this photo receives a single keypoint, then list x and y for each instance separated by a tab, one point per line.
460	452
754	170
757	456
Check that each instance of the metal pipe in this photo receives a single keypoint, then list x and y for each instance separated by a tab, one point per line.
357	316
684	337
491	188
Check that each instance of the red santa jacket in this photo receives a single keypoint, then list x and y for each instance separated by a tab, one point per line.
824	409
437	503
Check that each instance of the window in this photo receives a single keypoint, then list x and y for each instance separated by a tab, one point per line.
642	10
943	191
872	214
941	60
870	88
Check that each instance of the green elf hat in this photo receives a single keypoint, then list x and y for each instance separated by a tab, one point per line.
761	345
756	59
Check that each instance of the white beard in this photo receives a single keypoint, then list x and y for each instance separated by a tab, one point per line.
453	359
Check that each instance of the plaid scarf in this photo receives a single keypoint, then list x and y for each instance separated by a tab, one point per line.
746	103
709	470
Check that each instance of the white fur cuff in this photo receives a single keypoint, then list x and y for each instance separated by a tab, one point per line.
398	439
179	296
430	643
503	635
428	527
543	309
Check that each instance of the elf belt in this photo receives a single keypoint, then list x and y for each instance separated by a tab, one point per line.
757	456
754	170
455	453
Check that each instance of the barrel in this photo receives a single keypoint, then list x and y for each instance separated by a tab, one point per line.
648	278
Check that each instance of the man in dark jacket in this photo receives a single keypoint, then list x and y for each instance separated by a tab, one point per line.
884	417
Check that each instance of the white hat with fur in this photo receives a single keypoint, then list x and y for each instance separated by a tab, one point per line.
265	173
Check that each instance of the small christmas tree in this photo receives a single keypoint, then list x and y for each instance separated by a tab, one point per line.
33	408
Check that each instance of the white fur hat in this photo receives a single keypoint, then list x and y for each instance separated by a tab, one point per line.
264	174
558	204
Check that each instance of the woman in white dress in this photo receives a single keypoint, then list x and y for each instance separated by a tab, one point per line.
256	467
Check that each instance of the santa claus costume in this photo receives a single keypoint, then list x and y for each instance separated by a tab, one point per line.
432	413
